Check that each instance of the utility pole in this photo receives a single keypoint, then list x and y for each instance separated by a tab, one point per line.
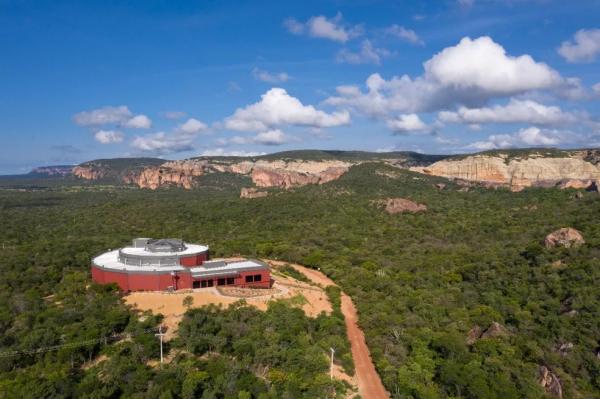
331	368
160	335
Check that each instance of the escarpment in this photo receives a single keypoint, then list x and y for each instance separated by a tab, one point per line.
277	173
89	172
569	170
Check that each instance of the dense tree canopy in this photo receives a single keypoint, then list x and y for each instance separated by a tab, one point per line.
421	282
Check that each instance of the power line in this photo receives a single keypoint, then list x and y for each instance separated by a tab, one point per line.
105	339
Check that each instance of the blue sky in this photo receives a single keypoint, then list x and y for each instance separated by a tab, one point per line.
84	80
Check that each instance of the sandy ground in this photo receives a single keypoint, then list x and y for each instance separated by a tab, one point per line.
365	379
170	305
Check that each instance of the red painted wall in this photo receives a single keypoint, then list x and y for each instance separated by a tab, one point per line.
105	277
264	283
143	282
185	281
160	282
98	275
194	260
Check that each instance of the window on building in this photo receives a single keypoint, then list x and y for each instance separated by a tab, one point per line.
249	279
257	277
230	280
221	281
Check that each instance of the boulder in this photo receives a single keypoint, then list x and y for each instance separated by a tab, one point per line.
574	183
565	237
474	334
495	330
549	381
564	348
440	186
251	192
401	205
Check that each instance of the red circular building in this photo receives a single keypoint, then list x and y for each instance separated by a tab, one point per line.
171	264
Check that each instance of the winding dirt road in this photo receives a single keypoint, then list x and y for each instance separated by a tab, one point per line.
367	379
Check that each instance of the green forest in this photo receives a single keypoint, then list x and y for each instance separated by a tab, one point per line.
420	282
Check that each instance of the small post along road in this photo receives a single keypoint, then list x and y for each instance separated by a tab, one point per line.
367	379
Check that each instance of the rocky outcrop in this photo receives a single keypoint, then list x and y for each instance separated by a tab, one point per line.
296	173
564	348
549	381
495	330
566	237
282	174
474	334
175	173
90	172
575	184
569	171
251	192
401	205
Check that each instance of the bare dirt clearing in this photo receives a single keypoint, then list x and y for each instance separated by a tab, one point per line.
313	300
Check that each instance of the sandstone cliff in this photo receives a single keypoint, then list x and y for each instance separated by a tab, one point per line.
569	170
90	172
277	173
285	169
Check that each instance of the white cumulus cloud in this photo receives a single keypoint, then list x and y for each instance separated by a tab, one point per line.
138	122
407	123
516	111
408	35
108	136
269	77
584	47
109	115
531	136
324	28
468	74
163	143
221	152
368	54
484	66
103	116
269	137
278	108
192	126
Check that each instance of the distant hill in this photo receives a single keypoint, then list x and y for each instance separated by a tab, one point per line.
51	170
113	169
521	168
328	155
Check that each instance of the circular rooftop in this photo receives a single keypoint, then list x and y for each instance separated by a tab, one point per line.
149	252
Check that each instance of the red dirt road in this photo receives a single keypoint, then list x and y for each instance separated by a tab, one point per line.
367	379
